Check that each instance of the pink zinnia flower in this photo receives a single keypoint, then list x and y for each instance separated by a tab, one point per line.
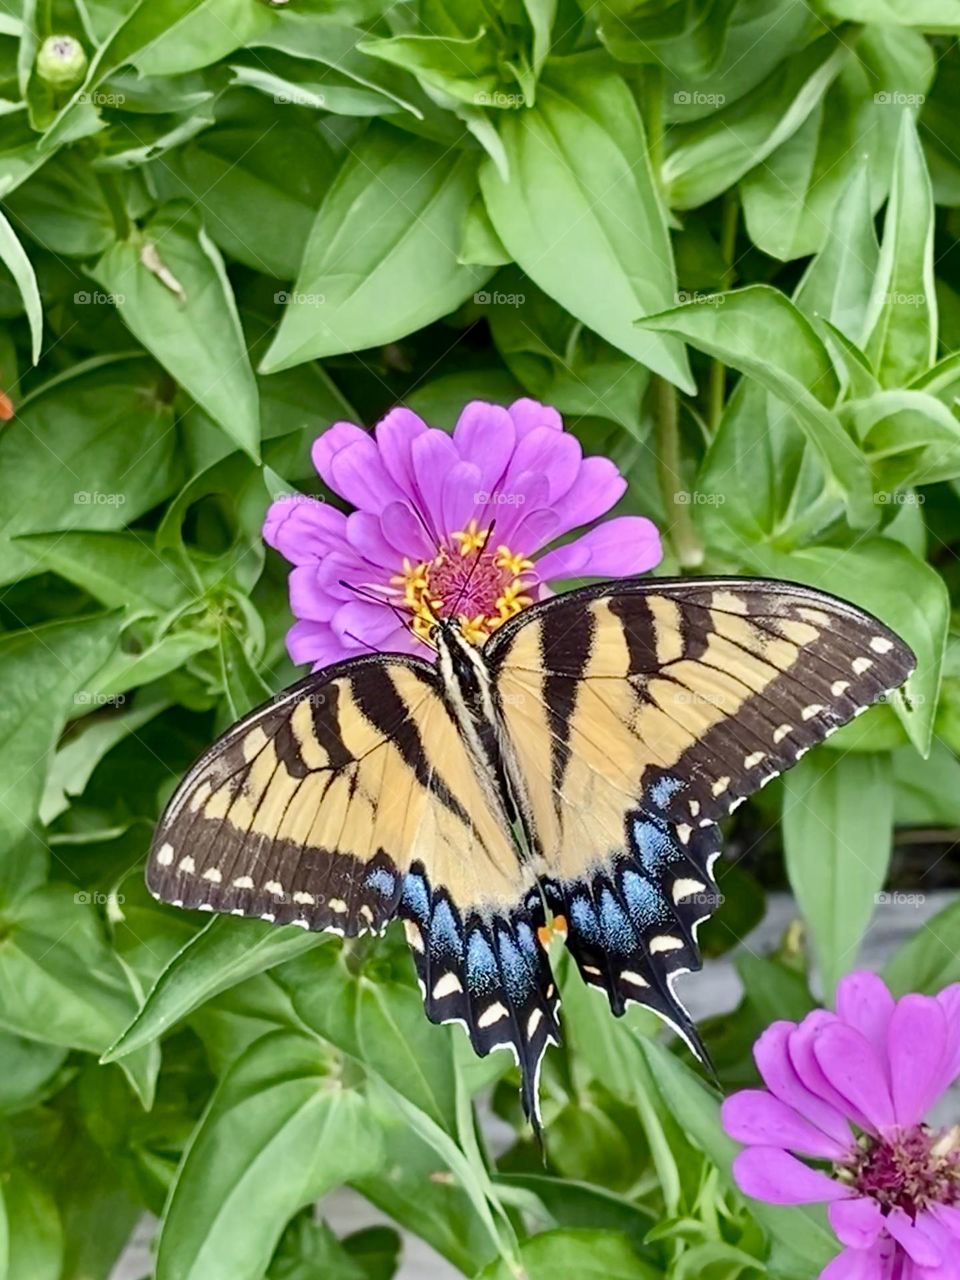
420	538
851	1090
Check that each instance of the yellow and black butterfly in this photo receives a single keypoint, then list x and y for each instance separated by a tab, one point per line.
569	775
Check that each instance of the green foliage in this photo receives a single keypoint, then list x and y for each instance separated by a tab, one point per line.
720	238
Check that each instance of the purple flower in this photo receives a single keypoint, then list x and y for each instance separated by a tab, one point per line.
851	1090
446	525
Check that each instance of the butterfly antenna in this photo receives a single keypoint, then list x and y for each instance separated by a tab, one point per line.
366	643
405	622
455	611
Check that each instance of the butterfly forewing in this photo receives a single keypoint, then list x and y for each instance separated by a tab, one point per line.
641	715
351	799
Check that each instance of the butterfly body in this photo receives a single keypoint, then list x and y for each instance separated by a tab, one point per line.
567	776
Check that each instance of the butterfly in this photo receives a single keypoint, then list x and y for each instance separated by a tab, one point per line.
567	777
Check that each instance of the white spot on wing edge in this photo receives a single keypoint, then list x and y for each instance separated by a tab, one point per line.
880	644
492	1015
664	942
686	888
448	985
165	854
861	665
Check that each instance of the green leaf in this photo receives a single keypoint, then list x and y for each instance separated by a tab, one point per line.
928	15
837	284
927	791
280	1131
243	686
743	329
608	260
43	670
109	433
707	156
801	1232
222	954
589	1255
869	574
18	264
171	289
928	961
117	569
382	256
837	835
902	319
464	67
909	438
789	201
36	1235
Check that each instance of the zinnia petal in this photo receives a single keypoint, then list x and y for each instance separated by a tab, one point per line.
326	446
545	451
767	1173
529	414
315	643
854	1068
864	1002
949	1000
756	1117
615	549
858	1264
485	435
598	487
302	528
772	1056
358	474
434	455
917	1047
916	1242
811	1073
395	435
858	1223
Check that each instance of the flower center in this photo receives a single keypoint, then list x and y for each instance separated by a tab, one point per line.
466	579
910	1171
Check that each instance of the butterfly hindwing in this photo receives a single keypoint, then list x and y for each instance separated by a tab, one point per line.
641	713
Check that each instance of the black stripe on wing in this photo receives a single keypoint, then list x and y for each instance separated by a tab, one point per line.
487	972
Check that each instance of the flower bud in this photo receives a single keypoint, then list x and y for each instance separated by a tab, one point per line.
61	62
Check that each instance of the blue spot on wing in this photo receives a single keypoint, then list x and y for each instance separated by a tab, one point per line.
664	789
382	881
584	917
655	847
516	972
416	896
445	935
481	967
644	900
617	930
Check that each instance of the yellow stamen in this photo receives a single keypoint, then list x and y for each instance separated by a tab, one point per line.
471	539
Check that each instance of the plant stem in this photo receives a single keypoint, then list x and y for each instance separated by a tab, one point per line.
676	500
728	247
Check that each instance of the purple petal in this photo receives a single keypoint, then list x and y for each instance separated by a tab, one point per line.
363	623
514	511
461	494
949	1001
917	1046
395	436
340	436
486	436
810	1072
858	1223
767	1173
365	536
358	474
598	487
529	414
615	549
865	1003
545	451
404	530
949	1217
913	1238
434	455
856	1071
772	1056
303	528
310	599
315	643
757	1118
858	1264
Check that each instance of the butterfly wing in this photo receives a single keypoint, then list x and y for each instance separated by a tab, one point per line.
350	799
642	713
